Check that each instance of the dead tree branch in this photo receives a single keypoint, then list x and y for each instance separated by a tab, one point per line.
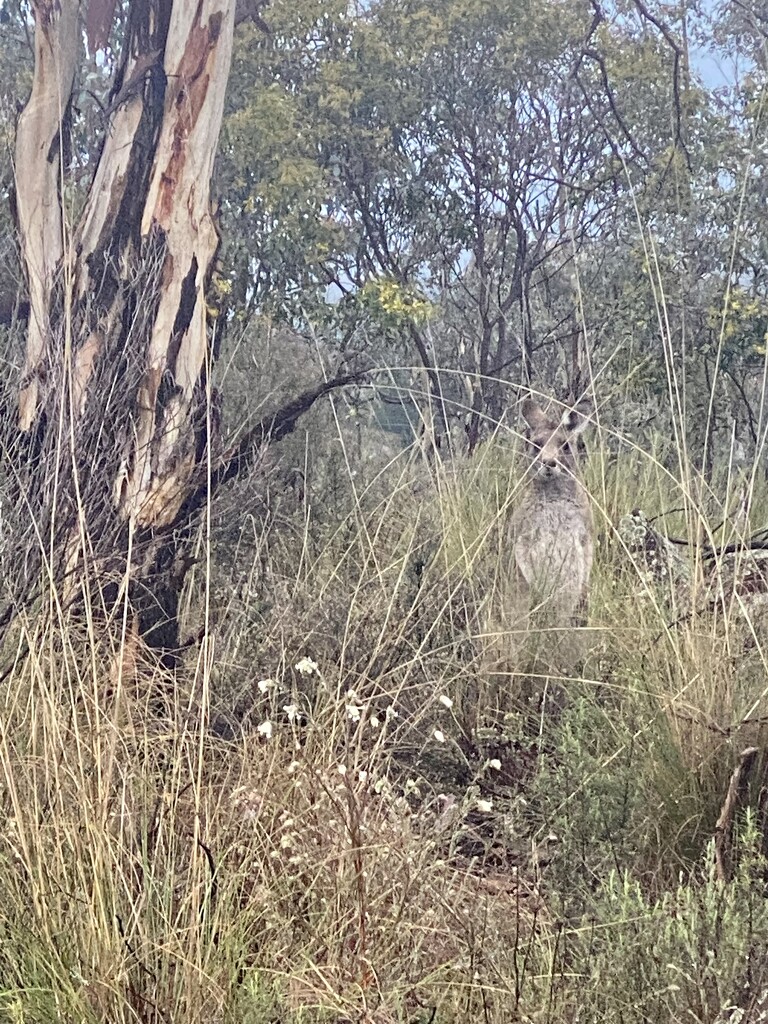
724	826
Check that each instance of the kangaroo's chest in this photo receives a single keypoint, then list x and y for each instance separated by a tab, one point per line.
553	548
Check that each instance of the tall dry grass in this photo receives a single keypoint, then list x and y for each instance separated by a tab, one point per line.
341	809
334	812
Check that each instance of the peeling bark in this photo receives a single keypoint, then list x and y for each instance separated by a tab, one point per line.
117	325
39	145
117	328
151	191
178	205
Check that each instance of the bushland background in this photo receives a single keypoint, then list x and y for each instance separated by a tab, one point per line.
315	800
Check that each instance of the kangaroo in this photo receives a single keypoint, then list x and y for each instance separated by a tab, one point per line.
552	530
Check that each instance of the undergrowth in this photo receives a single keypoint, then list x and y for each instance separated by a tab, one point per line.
336	811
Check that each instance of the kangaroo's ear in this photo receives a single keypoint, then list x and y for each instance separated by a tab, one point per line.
576	420
532	412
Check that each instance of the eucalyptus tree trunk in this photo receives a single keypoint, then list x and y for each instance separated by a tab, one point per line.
115	422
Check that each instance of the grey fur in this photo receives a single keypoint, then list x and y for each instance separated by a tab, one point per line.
552	528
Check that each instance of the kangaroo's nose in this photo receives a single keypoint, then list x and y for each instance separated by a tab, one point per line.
550	463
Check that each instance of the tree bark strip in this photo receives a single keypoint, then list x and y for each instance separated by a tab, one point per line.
40	145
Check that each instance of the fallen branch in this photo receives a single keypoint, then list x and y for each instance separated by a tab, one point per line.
721	730
724	826
238	459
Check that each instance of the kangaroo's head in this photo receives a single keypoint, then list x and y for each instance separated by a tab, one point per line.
552	438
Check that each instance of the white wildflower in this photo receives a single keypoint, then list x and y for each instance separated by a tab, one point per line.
374	722
264	685
495	763
292	711
265	729
439	736
485	806
391	713
445	701
341	769
362	775
353	712
306	666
